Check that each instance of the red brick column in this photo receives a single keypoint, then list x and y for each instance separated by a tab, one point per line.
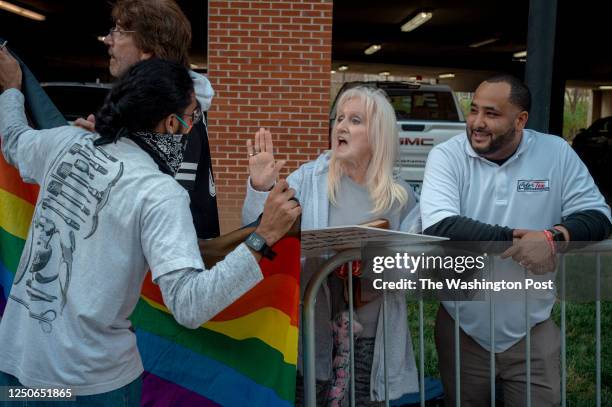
269	63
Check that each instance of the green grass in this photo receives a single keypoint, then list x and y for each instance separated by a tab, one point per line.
580	336
430	308
581	352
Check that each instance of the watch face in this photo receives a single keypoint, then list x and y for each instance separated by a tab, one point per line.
255	242
557	235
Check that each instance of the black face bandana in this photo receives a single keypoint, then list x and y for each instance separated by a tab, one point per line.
165	149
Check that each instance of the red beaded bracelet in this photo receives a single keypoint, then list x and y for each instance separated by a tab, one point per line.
551	241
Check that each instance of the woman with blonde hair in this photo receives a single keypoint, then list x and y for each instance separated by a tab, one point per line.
352	184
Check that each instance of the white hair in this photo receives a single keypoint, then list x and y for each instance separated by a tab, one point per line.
381	124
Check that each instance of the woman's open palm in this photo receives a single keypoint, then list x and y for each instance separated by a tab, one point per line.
263	168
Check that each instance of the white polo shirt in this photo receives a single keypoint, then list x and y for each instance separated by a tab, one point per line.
543	182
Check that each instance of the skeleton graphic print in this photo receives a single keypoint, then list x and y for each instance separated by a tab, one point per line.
76	189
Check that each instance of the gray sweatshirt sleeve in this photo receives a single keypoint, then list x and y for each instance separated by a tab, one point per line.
253	203
195	296
13	124
254	200
27	149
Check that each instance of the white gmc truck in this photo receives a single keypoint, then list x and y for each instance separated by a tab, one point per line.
426	115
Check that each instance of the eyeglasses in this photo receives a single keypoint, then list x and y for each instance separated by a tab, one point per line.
113	31
194	118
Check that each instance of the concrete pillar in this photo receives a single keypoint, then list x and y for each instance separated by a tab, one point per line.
541	75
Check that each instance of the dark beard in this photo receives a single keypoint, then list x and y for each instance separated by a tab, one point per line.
497	143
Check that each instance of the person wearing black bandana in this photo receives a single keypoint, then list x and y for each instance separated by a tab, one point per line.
145	29
164	148
110	209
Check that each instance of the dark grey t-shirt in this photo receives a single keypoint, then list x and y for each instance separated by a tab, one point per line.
354	206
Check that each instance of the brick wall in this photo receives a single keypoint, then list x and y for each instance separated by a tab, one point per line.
269	63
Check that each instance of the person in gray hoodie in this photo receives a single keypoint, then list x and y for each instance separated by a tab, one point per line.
351	184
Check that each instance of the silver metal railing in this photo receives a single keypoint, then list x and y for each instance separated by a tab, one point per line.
308	327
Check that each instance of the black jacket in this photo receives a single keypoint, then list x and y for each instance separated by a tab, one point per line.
196	176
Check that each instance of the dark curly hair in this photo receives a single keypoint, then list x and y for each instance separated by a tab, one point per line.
147	93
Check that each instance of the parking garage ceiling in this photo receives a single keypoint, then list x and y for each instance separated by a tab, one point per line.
66	47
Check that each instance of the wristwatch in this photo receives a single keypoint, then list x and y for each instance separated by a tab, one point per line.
258	244
557	235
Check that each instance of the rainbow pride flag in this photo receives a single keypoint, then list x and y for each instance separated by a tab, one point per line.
246	355
17	201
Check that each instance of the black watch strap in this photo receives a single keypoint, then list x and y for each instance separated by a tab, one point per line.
258	244
557	235
267	252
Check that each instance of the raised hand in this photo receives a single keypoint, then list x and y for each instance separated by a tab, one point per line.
263	169
10	72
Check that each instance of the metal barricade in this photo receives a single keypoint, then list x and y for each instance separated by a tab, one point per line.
308	326
308	323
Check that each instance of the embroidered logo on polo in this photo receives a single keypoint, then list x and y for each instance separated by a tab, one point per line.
533	185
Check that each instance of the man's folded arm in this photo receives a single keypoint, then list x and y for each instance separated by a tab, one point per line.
587	226
462	228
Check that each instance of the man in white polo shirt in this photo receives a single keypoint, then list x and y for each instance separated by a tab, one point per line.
502	183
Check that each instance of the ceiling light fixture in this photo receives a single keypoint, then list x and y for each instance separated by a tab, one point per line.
416	21
24	12
372	49
484	42
605	87
448	75
384	73
101	38
520	54
343	68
